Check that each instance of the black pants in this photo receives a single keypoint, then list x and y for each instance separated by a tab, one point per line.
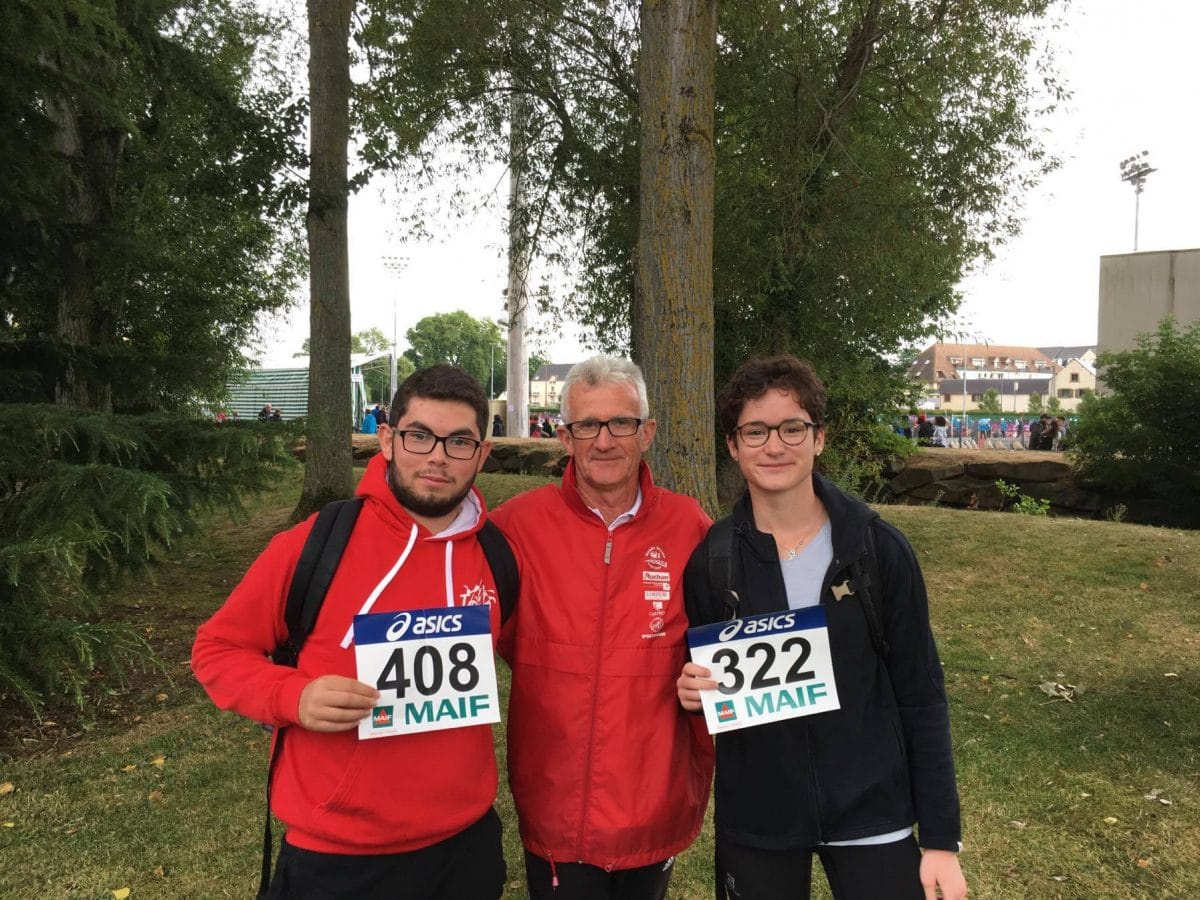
466	866
871	872
579	881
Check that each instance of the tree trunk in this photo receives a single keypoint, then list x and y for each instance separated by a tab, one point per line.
328	466
517	405
673	331
91	197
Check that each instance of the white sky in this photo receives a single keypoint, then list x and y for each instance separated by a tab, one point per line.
1130	65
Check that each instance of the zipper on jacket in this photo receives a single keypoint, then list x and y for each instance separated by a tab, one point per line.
587	766
816	786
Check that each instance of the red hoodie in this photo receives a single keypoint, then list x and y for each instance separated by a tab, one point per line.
338	794
605	766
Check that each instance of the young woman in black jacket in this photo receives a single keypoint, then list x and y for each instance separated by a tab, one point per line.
849	783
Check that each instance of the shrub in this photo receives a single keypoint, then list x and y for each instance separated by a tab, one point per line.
86	498
1141	439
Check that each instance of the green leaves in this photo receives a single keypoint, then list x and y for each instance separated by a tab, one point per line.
1141	439
87	499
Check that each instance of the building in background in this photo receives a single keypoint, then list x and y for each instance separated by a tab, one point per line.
957	376
286	389
545	387
1137	290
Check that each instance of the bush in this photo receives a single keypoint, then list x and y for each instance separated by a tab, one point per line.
1141	439
86	498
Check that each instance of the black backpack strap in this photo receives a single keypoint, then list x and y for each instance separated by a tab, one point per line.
503	565
869	588
318	562
323	549
721	562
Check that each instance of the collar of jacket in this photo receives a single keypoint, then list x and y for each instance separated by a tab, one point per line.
848	519
570	492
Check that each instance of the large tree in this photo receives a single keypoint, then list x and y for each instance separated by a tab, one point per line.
328	472
462	340
149	214
672	322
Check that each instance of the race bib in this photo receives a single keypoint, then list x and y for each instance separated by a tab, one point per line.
768	668
433	668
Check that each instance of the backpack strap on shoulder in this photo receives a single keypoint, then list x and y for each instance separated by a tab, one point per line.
870	584
503	565
315	569
726	604
319	558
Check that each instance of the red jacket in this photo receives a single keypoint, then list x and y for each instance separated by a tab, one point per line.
605	766
338	794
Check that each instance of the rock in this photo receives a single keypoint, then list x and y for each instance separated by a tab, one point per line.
1021	471
914	476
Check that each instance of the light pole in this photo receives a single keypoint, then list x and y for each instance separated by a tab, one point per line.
395	264
1134	170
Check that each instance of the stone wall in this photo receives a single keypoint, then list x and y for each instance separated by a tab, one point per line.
967	478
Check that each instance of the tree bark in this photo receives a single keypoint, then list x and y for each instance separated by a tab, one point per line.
673	309
517	292
91	197
328	466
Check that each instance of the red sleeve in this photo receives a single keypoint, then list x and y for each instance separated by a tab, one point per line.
231	655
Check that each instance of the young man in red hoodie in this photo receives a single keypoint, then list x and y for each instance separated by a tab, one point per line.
609	775
407	815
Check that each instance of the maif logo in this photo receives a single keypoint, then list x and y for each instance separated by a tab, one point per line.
725	711
381	717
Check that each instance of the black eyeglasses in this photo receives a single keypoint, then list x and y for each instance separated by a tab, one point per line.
790	431
457	446
621	426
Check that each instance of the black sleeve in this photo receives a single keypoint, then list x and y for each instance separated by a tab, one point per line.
697	593
919	686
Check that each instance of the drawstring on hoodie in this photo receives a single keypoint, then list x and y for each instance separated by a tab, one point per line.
387	579
553	874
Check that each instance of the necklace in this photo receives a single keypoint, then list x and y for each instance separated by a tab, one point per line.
790	553
793	551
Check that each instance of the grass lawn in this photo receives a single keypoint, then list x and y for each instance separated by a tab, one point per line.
158	792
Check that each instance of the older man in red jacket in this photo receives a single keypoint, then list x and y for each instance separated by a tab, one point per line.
610	776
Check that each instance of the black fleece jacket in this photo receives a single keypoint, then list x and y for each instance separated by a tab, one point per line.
883	760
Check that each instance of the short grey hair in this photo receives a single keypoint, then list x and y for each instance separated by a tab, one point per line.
605	370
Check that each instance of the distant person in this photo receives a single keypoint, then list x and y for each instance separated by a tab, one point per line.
1035	432
924	432
941	432
276	415
369	423
497	426
547	428
380	413
1049	436
264	414
1060	443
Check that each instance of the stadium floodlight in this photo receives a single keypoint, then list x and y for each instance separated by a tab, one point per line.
1134	170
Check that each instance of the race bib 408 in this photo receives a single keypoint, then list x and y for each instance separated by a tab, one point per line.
432	667
768	668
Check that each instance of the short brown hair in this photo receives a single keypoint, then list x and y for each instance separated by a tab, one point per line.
441	382
755	377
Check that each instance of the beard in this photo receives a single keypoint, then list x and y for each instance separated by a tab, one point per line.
432	507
